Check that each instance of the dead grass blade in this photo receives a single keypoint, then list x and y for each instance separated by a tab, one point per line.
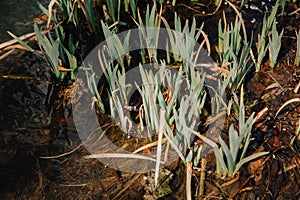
240	17
274	85
297	88
50	8
61	155
287	103
26	78
7	54
120	155
203	138
152	144
260	114
21	47
206	42
159	146
13	41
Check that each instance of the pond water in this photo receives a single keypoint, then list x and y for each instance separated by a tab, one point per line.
16	94
24	82
17	16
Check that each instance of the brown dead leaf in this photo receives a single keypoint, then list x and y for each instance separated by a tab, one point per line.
60	68
212	187
255	168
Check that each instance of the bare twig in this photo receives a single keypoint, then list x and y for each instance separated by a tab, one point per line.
202	176
189	166
294	12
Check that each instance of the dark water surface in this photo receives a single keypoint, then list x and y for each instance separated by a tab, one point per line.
20	98
17	16
25	121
